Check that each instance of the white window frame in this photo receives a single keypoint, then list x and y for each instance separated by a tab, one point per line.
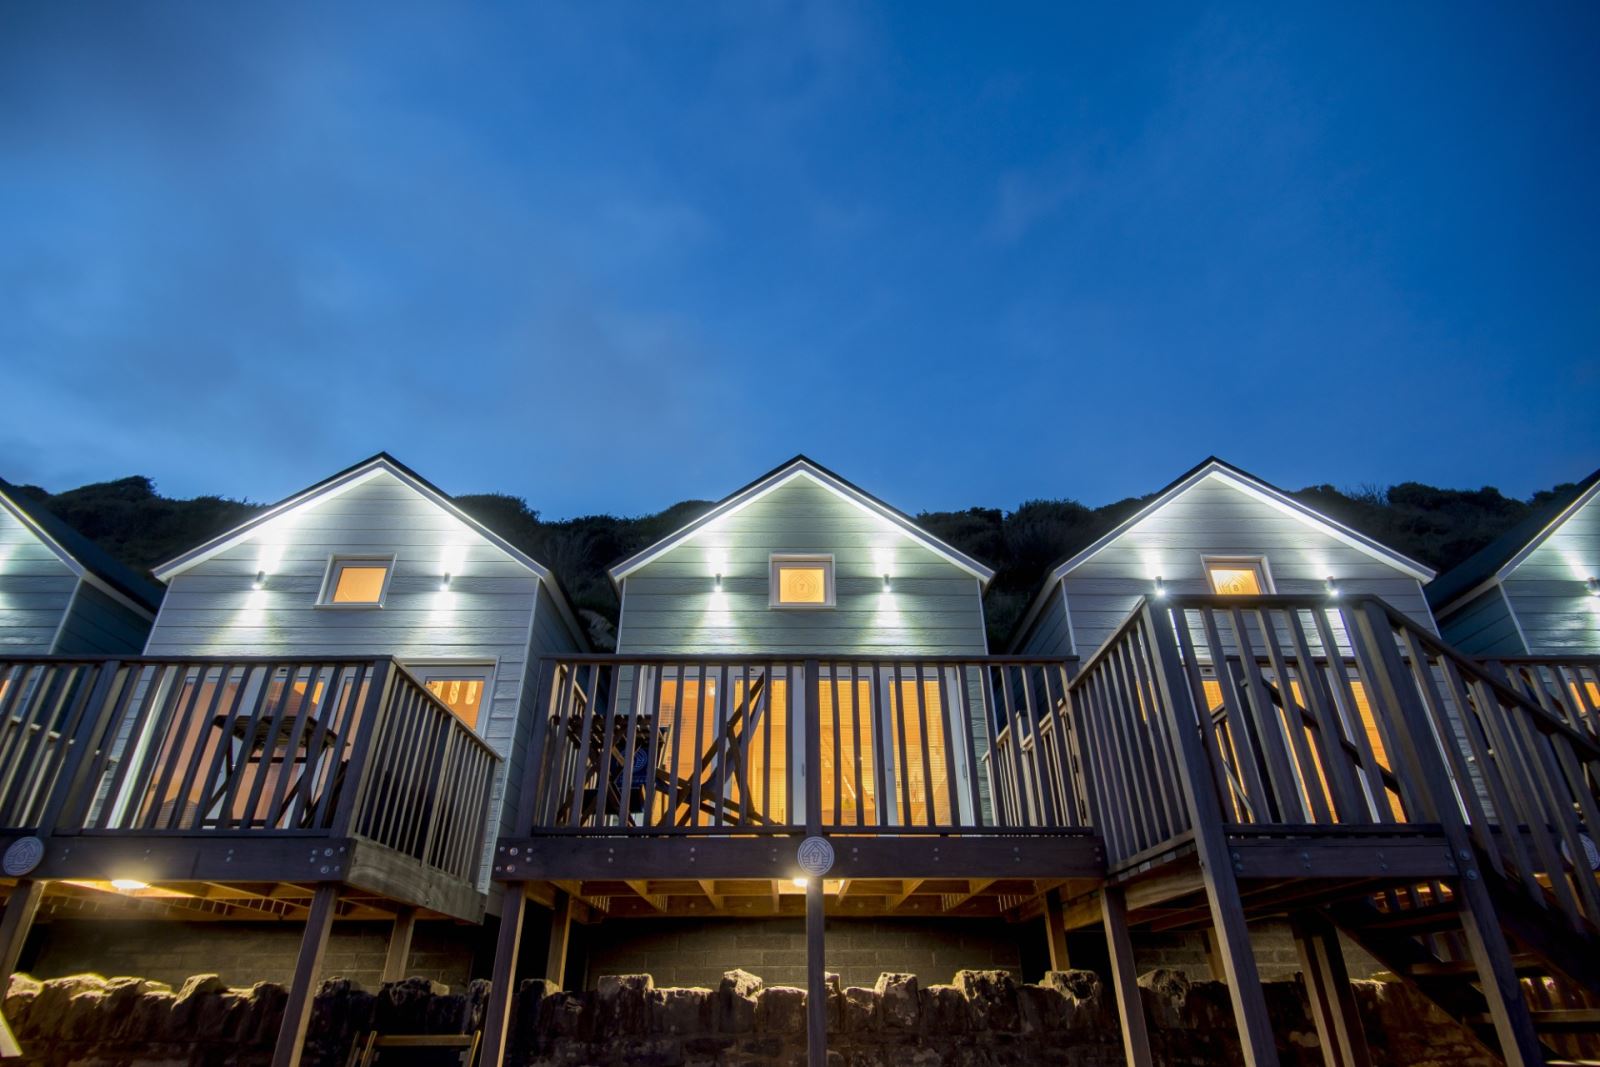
330	581
777	560
425	671
1259	563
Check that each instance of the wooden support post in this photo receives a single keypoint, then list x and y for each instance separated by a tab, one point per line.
1125	983
394	965
14	926
816	979
1214	956
1256	1039
555	961
1055	929
497	1016
1333	1002
313	943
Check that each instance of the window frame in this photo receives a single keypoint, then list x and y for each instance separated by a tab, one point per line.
830	588
1257	563
425	671
330	581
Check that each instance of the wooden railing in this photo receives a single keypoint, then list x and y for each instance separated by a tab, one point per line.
1295	713
1566	686
239	747
758	745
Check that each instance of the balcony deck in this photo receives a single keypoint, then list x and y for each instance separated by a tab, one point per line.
232	788
685	784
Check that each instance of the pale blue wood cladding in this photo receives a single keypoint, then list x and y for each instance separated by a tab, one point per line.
669	605
36	589
100	623
1548	589
1213	517
1483	626
492	612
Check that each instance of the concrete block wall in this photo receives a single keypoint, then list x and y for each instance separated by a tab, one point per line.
243	953
696	952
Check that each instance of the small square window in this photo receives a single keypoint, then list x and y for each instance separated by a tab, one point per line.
801	582
357	581
1238	577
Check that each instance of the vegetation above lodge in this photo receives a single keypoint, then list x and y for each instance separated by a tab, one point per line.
1440	527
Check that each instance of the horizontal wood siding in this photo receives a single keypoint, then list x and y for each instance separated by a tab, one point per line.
35	589
1216	519
1483	626
486	616
669	605
100	623
1548	592
1049	635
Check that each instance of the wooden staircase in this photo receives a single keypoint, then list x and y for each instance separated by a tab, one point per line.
1416	932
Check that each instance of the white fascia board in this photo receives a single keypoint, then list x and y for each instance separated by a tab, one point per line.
1544	535
780	478
1267	495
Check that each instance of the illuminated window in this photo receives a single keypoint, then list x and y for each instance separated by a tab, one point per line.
357	581
801	582
1238	577
463	689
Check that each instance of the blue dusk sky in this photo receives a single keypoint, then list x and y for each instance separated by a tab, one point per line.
607	256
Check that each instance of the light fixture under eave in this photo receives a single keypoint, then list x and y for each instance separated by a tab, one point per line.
887	588
444	583
261	580
1161	587
1593	585
801	882
1332	587
128	885
717	586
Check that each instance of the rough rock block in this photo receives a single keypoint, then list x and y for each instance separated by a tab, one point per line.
899	1004
781	1010
991	999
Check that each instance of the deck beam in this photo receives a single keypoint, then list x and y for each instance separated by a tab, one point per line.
919	856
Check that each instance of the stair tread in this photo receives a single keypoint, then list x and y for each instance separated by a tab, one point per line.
1525	964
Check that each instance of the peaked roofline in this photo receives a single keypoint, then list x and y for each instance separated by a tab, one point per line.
1243	479
802	465
83	556
381	462
1506	553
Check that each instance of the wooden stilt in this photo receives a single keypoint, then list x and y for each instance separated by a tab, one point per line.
1214	957
497	1015
555	963
1125	983
1333	1002
816	978
14	926
313	943
1055	927
394	964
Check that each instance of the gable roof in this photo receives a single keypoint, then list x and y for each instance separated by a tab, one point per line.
348	478
85	558
1240	479
1502	555
803	467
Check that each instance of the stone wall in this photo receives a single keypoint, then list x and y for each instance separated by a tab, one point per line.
242	953
982	1019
